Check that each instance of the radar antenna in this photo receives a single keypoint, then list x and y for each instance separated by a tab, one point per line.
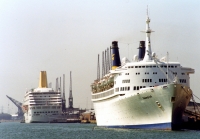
148	32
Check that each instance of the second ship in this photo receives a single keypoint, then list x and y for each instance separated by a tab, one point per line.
42	104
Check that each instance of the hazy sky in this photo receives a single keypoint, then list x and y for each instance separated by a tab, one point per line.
60	36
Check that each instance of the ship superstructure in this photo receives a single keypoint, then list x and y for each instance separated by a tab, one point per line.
42	104
145	93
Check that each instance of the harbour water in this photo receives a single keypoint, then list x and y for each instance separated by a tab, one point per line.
16	130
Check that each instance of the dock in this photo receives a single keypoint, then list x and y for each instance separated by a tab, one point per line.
191	117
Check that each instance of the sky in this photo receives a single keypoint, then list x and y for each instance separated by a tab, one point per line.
67	35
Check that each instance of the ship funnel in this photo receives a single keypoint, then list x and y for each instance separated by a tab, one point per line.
115	55
43	79
141	50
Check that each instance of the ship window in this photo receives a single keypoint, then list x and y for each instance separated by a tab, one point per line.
132	66
165	66
143	66
138	87
161	66
173	99
142	80
139	66
154	66
144	86
128	66
175	66
128	88
134	88
147	66
136	66
183	73
182	80
150	66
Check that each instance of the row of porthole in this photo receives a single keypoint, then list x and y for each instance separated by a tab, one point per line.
47	112
153	66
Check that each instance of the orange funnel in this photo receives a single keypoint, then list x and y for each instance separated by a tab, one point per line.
43	79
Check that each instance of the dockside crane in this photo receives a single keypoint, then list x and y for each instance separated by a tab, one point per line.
70	93
19	106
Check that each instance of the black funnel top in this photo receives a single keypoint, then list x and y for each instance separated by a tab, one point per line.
141	50
115	55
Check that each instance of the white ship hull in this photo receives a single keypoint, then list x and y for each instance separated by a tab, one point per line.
158	107
37	116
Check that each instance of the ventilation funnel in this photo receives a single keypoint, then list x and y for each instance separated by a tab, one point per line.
115	55
43	79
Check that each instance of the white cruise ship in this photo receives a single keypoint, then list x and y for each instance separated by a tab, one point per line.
147	93
42	104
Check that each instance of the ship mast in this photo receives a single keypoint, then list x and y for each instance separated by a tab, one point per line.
148	40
